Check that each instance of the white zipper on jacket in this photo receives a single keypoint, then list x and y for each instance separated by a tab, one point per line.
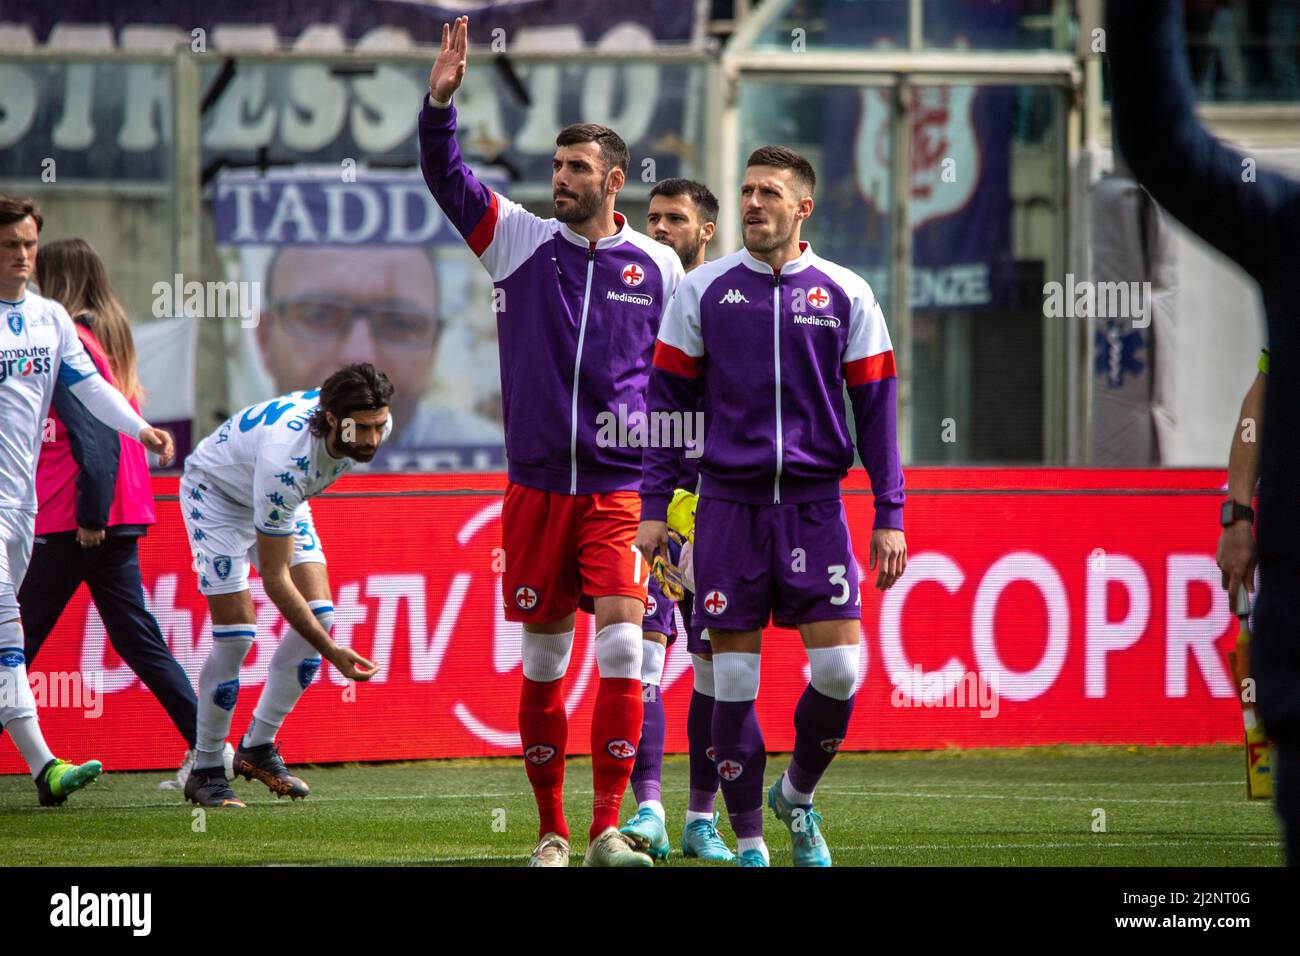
577	365
776	349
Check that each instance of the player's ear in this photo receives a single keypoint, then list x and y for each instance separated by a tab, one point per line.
805	207
615	180
706	232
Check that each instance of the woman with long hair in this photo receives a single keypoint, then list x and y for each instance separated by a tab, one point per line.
95	498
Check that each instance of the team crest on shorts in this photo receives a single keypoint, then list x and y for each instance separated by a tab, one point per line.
526	598
832	744
12	659
620	748
15	320
539	753
712	754
221	565
651	605
715	602
729	770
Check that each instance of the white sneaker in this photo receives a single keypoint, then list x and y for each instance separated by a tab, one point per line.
553	850
187	764
612	848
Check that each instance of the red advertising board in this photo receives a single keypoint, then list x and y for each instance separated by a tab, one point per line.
1040	606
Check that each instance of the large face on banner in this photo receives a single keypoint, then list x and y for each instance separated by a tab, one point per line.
328	306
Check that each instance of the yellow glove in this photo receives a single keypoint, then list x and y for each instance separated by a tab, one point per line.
681	514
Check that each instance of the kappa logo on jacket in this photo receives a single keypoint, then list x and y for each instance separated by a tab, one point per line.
733	297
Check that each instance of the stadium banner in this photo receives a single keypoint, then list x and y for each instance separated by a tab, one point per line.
361	265
960	208
1039	607
372	24
110	120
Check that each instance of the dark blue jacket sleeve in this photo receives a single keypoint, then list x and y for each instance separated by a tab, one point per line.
95	449
1247	213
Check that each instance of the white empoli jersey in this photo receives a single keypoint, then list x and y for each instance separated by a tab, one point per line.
38	346
266	459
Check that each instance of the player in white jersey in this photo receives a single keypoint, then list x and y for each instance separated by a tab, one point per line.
244	499
38	346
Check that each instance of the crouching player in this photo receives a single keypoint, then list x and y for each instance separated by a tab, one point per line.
771	335
244	499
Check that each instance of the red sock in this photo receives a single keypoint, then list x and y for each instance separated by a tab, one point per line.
615	730
544	731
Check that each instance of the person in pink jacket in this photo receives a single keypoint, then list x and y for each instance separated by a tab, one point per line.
95	497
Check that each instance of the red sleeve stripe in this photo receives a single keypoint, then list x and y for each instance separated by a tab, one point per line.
674	360
481	237
870	369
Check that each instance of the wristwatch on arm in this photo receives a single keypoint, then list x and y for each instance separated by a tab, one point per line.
1231	511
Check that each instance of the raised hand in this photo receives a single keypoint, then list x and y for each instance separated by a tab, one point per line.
449	69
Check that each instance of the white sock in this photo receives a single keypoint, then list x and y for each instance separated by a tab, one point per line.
18	714
27	737
791	794
652	661
693	815
655	807
219	689
753	843
293	662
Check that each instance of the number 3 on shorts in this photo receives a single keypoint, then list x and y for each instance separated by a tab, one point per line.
837	572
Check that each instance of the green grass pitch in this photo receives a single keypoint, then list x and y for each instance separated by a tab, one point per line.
1037	807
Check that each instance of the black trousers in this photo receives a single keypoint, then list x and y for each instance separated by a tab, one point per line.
112	572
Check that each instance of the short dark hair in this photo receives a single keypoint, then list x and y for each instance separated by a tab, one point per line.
782	157
18	208
613	151
353	388
704	200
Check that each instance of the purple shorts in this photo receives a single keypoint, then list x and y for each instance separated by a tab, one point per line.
792	562
659	613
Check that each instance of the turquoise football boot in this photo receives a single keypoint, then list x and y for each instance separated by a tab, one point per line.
700	840
806	844
647	833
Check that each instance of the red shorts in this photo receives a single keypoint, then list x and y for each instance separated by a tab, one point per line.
560	549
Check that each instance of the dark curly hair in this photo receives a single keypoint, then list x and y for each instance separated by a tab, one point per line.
353	388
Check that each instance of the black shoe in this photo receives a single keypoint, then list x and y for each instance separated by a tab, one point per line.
264	763
208	787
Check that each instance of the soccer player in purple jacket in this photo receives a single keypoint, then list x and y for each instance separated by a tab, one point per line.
579	298
770	336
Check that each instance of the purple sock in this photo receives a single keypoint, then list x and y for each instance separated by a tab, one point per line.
820	723
649	764
741	756
699	735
